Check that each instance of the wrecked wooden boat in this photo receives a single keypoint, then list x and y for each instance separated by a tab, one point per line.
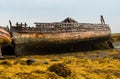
67	35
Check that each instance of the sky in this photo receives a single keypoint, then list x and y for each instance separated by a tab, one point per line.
83	11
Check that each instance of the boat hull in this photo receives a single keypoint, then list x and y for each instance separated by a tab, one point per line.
33	43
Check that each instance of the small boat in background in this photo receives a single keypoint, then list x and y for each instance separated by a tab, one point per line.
5	39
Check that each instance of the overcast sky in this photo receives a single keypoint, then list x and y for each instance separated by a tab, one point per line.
83	11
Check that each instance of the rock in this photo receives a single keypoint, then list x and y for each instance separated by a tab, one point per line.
60	69
30	61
